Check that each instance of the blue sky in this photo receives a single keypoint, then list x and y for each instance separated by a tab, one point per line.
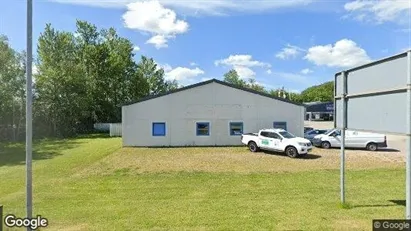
292	43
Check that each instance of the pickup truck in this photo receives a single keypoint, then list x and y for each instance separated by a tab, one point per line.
277	140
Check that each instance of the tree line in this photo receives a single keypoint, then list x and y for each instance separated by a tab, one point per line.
322	93
83	77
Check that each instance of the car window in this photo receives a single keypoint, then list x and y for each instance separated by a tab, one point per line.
287	135
274	135
265	134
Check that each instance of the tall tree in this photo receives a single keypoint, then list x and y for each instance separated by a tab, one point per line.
233	78
252	83
148	69
12	91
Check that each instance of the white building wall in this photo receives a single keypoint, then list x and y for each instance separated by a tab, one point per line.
214	103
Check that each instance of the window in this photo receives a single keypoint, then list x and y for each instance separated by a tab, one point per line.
159	129
335	133
281	125
270	135
203	129
287	135
274	135
236	128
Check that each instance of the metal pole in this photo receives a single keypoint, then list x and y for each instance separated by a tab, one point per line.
344	125
29	130
408	143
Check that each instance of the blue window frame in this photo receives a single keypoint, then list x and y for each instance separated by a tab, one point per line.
159	129
236	128
203	129
281	125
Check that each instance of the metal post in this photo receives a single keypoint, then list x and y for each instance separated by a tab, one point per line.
344	126
29	98
408	142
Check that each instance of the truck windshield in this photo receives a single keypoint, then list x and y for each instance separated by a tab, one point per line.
286	135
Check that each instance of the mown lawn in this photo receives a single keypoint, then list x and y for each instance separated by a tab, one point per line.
94	184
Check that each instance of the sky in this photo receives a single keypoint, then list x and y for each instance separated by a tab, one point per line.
293	44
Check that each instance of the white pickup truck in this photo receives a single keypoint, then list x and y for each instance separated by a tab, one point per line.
277	140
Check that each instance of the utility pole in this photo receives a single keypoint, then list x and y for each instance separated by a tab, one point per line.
29	121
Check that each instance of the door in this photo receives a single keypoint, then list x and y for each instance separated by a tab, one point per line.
270	141
264	140
335	138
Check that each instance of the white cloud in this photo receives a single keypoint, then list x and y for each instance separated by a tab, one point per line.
183	73
242	64
379	11
166	67
241	60
306	71
244	72
152	17
136	48
289	52
205	79
344	53
159	41
269	71
193	64
200	7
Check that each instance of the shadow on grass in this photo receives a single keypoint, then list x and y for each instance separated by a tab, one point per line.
15	153
395	203
309	156
365	150
95	136
196	146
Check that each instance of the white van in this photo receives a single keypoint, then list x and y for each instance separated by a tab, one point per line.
353	139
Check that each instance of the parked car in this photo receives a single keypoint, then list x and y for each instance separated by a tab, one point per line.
353	139
309	135
277	140
306	129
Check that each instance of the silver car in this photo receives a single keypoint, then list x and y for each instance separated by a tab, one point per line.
309	135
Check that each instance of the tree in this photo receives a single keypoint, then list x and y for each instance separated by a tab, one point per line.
255	86
148	69
323	92
84	78
233	78
12	91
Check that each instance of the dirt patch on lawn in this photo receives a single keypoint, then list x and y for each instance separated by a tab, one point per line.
237	159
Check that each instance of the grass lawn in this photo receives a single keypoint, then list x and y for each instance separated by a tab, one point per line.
94	184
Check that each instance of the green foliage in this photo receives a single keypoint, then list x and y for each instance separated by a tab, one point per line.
12	91
233	78
83	78
323	92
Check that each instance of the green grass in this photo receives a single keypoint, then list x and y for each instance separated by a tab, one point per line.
73	195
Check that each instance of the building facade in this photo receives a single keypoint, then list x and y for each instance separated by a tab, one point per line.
210	113
319	111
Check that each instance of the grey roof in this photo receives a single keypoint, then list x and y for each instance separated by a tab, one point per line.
214	81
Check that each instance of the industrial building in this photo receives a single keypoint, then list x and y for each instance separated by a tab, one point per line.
319	111
210	113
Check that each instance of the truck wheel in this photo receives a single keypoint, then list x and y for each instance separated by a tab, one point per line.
252	146
291	152
325	145
372	147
